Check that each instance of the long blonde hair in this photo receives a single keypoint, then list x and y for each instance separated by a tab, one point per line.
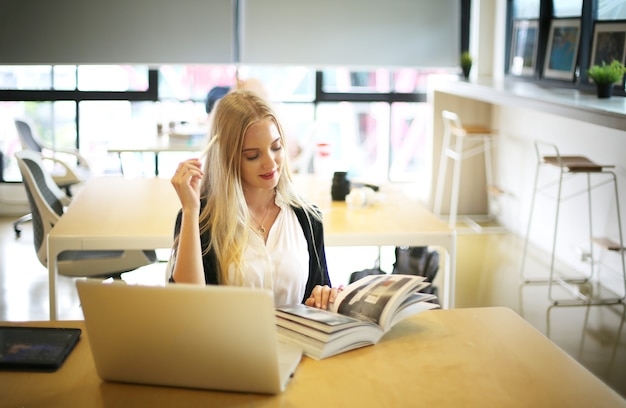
226	216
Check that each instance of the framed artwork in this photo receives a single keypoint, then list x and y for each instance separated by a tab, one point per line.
524	47
609	42
562	51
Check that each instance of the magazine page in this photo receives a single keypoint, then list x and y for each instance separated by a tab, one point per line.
374	298
416	303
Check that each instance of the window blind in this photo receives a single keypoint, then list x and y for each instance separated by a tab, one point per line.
116	31
423	33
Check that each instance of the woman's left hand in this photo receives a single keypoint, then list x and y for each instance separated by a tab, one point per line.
322	296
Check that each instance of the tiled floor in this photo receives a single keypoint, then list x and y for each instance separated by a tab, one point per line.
487	275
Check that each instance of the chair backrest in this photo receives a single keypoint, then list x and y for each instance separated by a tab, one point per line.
548	153
66	165
452	123
27	136
45	198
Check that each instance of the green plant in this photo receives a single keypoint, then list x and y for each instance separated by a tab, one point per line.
466	60
607	74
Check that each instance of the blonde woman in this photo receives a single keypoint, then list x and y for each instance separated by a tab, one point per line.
242	222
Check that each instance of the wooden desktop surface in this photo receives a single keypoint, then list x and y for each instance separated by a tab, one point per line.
116	213
484	357
394	220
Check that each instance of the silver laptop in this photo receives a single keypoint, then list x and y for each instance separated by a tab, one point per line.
207	337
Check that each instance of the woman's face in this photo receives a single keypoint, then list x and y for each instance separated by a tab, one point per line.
261	156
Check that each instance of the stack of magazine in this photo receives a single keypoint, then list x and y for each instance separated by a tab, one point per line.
361	314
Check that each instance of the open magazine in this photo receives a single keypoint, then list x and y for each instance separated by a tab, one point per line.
362	313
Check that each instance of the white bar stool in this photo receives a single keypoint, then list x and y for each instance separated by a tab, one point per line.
570	166
469	140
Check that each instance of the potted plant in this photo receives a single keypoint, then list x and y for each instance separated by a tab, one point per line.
604	76
466	63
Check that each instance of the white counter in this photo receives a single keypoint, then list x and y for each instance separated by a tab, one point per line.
571	103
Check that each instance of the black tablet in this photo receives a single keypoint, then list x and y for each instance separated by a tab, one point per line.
36	348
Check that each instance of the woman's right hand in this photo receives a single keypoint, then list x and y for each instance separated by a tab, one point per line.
322	297
186	182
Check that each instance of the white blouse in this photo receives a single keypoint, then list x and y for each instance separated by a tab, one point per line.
282	264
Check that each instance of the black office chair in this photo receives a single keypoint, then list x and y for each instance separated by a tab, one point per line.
47	202
63	174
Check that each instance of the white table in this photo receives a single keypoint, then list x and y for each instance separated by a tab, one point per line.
115	213
396	221
157	145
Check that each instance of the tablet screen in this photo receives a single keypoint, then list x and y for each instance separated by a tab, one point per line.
35	348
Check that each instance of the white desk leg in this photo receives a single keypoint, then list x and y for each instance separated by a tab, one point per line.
53	254
449	272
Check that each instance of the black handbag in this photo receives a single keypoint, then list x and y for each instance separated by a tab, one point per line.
417	261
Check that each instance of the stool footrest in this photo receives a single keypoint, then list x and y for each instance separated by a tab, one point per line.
473	129
607	243
588	301
494	190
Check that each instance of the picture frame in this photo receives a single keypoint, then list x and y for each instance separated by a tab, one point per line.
562	50
609	42
524	47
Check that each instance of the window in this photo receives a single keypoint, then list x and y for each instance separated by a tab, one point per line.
193	82
568	8
546	13
410	144
53	97
283	83
376	126
103	103
112	78
611	10
37	77
374	122
343	80
526	9
54	124
356	135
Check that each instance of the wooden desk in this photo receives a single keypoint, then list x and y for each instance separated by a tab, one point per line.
487	357
113	213
118	213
